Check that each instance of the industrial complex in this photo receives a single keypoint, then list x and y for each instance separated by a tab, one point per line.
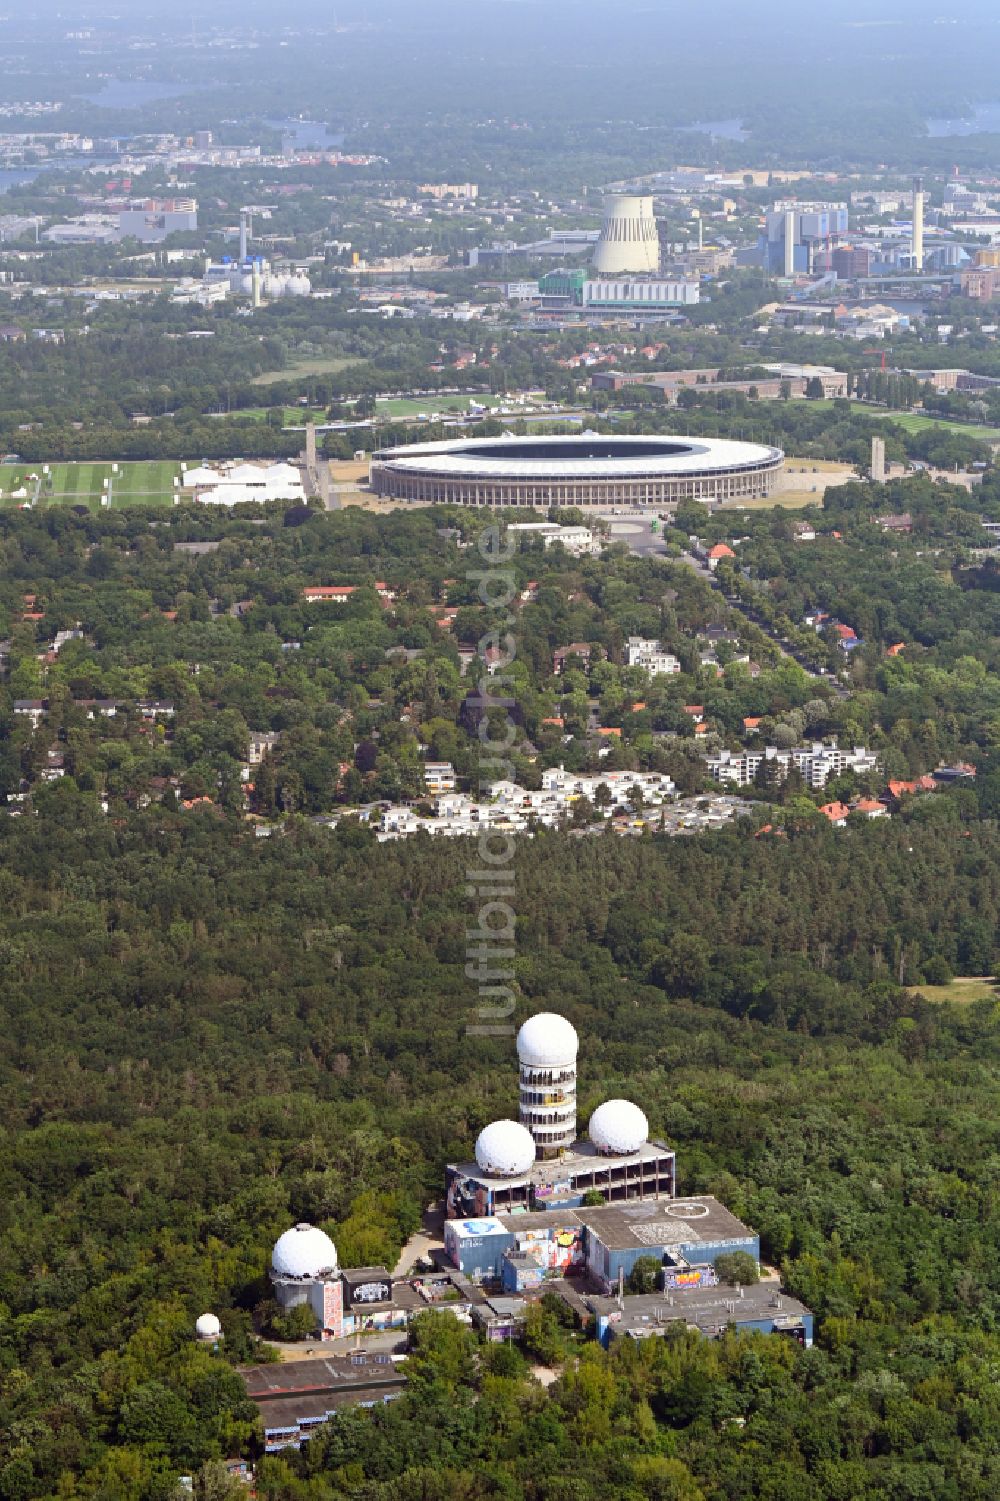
586	469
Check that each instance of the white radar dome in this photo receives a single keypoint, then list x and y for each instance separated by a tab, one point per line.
546	1040
207	1326
303	1251
505	1148
618	1127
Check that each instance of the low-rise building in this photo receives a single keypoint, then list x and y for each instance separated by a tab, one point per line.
762	1308
295	1397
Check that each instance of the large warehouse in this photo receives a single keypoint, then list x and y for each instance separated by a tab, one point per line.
583	469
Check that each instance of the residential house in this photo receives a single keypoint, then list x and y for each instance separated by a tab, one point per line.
716	554
560	656
650	655
34	709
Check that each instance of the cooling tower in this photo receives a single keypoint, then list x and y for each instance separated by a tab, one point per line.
629	242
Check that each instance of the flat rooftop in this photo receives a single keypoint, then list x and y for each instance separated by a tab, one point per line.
293	1411
665	1222
644	1222
708	1309
580	1158
295	1379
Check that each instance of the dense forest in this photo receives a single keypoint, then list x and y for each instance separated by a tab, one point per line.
209	1036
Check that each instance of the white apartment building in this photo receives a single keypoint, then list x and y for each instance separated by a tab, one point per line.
511	808
650	656
816	763
439	776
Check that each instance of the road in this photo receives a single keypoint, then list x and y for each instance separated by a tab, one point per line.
422	1245
641	540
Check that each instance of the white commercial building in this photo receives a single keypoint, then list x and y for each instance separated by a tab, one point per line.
578	540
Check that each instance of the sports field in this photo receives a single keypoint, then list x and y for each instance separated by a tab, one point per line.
141	484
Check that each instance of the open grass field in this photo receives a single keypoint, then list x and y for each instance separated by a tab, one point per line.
789	500
290	416
916	422
139	484
407	406
302	370
962	990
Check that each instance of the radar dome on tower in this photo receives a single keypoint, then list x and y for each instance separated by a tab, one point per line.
546	1040
505	1148
304	1251
618	1128
207	1326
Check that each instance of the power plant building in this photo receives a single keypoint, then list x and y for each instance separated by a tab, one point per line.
793	231
158	218
574	289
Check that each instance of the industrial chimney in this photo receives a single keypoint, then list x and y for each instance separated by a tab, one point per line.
790	242
629	243
918	223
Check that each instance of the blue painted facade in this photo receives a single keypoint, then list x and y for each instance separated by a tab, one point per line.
606	1325
610	1263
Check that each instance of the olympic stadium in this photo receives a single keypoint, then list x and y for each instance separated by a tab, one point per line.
584	469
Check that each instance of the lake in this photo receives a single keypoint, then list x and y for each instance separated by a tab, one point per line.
308	135
133	93
723	130
12	177
985	117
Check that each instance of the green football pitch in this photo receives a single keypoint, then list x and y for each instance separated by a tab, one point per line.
149	483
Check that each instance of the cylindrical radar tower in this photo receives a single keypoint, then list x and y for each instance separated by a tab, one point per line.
629	244
546	1050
